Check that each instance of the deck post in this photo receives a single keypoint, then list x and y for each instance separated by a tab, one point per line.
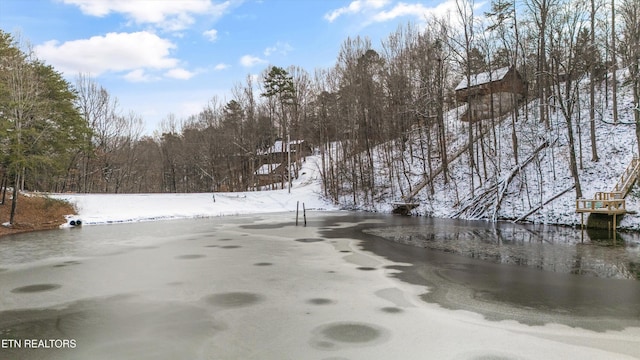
581	227
615	226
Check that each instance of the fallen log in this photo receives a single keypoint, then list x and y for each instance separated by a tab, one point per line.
534	210
479	204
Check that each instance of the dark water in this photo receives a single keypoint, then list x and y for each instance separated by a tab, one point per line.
548	248
541	274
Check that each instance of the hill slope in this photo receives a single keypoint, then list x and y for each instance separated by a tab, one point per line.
545	176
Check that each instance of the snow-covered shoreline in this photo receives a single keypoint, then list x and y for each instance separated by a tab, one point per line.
306	192
97	209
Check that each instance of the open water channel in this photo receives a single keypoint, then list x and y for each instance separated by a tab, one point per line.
346	286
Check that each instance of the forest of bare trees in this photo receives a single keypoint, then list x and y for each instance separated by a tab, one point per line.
377	103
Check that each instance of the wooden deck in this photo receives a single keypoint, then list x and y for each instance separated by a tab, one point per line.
403	207
603	203
612	202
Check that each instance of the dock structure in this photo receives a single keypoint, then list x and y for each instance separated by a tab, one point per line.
611	203
404	207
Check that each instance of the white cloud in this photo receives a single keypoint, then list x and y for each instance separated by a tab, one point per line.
138	75
179	73
416	10
211	35
111	52
282	48
355	7
375	11
250	60
221	66
169	15
401	9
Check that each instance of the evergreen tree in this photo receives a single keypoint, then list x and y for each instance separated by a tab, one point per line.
40	126
279	85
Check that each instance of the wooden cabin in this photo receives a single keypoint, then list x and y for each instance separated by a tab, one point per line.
272	164
490	94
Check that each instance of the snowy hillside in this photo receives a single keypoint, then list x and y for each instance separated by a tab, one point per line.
545	177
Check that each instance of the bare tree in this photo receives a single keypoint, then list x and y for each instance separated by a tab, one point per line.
541	11
505	23
614	63
101	111
567	72
465	12
592	82
630	14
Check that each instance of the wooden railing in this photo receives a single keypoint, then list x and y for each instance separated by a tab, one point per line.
606	196
628	177
612	202
604	203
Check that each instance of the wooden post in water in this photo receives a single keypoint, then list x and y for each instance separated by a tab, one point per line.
615	226
304	214
581	227
297	206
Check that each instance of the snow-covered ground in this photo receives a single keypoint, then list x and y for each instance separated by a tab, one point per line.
306	191
543	179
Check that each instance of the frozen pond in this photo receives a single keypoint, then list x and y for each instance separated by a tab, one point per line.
346	286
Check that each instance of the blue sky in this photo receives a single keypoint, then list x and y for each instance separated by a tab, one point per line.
172	56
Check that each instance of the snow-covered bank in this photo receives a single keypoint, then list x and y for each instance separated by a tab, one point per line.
542	191
528	179
96	209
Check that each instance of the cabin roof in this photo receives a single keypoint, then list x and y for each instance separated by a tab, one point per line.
280	146
483	78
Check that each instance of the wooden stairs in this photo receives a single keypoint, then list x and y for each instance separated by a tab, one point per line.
612	202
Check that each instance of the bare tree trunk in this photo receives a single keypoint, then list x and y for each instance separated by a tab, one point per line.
3	187
14	201
541	10
565	61
614	63
442	136
592	89
631	18
636	114
573	165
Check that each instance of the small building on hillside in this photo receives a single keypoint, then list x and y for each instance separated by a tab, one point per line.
273	162
280	149
490	94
